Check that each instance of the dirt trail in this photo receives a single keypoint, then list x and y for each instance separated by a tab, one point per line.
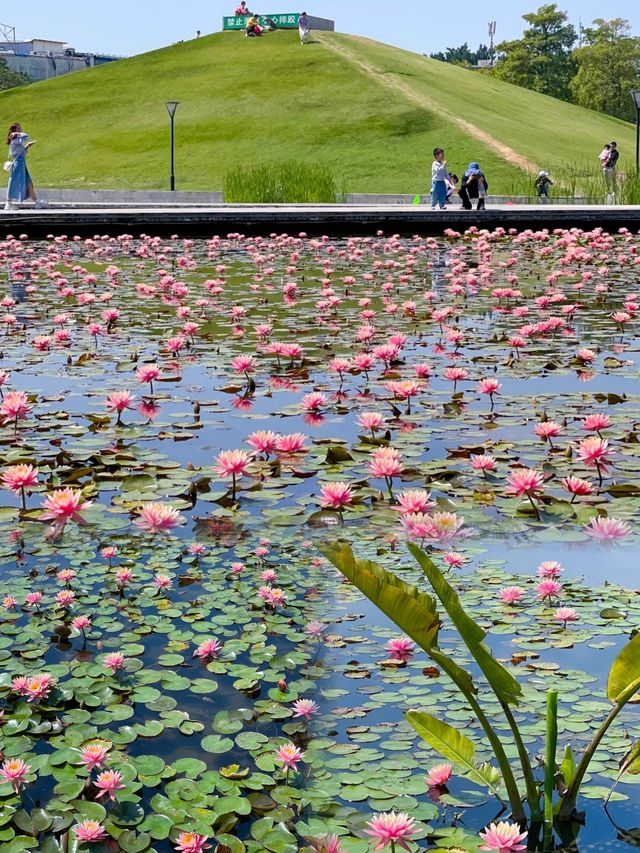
427	103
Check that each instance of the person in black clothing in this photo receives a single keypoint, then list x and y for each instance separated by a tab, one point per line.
474	186
610	177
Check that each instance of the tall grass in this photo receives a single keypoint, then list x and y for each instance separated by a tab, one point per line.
581	182
288	182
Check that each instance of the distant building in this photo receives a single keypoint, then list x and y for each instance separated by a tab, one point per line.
41	59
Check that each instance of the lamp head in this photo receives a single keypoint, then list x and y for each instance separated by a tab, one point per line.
172	106
635	94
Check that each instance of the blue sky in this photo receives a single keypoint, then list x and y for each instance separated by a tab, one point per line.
134	26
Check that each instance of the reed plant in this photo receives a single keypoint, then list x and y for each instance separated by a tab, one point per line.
286	182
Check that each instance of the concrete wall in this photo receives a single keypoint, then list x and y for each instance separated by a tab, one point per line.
322	24
45	67
129	197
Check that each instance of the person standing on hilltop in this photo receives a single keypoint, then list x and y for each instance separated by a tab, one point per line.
304	28
20	183
439	178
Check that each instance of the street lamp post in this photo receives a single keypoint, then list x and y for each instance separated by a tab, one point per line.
172	106
635	94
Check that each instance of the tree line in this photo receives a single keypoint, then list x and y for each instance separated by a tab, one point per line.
595	67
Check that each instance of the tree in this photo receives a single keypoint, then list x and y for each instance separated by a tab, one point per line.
9	79
608	66
541	60
463	55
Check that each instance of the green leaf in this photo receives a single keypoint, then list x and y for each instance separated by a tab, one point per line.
216	744
158	826
568	766
505	686
624	677
131	842
550	760
413	611
454	746
631	762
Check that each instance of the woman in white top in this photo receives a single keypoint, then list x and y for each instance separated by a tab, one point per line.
20	183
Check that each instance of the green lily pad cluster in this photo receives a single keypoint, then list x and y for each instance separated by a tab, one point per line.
278	347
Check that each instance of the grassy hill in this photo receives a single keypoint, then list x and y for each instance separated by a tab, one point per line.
370	111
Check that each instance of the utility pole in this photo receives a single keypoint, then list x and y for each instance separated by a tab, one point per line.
492	33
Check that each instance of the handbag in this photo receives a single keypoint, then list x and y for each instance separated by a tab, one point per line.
8	166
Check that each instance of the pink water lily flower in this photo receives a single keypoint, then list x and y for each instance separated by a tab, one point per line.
512	594
114	661
565	615
232	463
548	589
64	505
577	487
148	373
370	420
191	842
156	517
596	422
439	775
336	496
314	402
548	430
414	500
608	529
17	478
483	462
38	687
14	407
401	648
291	443
88	831
489	386
503	837
208	649
328	844
391	828
108	783
289	756
119	401
525	481
385	462
305	708
65	598
15	771
94	754
550	569
264	441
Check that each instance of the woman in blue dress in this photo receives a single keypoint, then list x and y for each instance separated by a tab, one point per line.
20	183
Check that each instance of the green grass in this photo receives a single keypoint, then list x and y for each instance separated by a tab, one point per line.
281	183
245	101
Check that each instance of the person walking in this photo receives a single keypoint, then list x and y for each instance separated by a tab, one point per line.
304	28
20	183
543	182
439	178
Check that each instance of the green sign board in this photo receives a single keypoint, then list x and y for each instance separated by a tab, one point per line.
287	21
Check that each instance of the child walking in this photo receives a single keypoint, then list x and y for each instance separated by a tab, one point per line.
439	179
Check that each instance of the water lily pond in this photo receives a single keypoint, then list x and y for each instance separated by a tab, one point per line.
186	425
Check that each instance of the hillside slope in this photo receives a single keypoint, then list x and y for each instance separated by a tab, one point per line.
371	111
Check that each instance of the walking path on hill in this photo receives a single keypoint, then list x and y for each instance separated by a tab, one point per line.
427	103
